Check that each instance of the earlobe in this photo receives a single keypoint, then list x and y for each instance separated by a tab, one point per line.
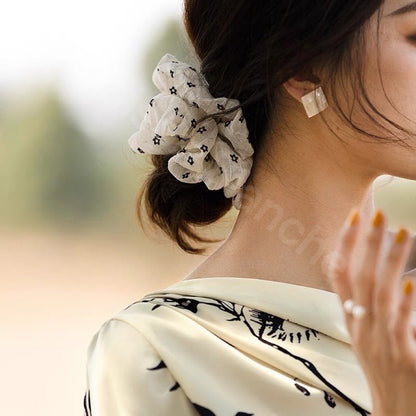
297	89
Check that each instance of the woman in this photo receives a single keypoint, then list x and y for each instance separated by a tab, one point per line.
301	310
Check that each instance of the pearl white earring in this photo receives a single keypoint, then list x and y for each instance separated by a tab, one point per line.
314	106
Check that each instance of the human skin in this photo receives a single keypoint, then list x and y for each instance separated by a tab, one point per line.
305	180
390	365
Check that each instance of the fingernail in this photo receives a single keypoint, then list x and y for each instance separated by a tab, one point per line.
400	235
354	216
377	218
407	287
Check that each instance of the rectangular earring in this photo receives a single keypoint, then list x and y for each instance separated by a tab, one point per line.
314	106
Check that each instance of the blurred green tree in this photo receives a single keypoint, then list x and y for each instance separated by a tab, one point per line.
48	168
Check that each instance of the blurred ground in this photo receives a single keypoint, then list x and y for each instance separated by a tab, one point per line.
56	290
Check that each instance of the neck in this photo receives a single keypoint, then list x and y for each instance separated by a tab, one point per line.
292	213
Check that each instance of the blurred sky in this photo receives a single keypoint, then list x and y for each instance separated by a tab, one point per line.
88	48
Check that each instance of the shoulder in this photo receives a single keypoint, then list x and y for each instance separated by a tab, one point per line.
123	329
118	351
114	335
117	356
127	376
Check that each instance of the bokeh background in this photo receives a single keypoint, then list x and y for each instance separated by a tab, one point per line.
75	81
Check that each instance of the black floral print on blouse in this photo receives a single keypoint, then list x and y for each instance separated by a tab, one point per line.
257	323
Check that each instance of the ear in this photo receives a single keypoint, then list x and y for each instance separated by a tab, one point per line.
297	87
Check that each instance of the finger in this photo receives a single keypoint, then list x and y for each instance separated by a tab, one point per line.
365	278
340	265
411	275
396	314
401	328
386	292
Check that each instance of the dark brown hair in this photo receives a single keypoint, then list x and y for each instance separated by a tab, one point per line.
247	49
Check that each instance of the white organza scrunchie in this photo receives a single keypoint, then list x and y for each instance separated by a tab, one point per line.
214	151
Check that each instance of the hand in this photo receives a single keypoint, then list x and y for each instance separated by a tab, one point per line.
382	339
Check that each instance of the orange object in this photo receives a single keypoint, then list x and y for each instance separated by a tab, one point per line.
354	217
377	218
400	235
407	287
